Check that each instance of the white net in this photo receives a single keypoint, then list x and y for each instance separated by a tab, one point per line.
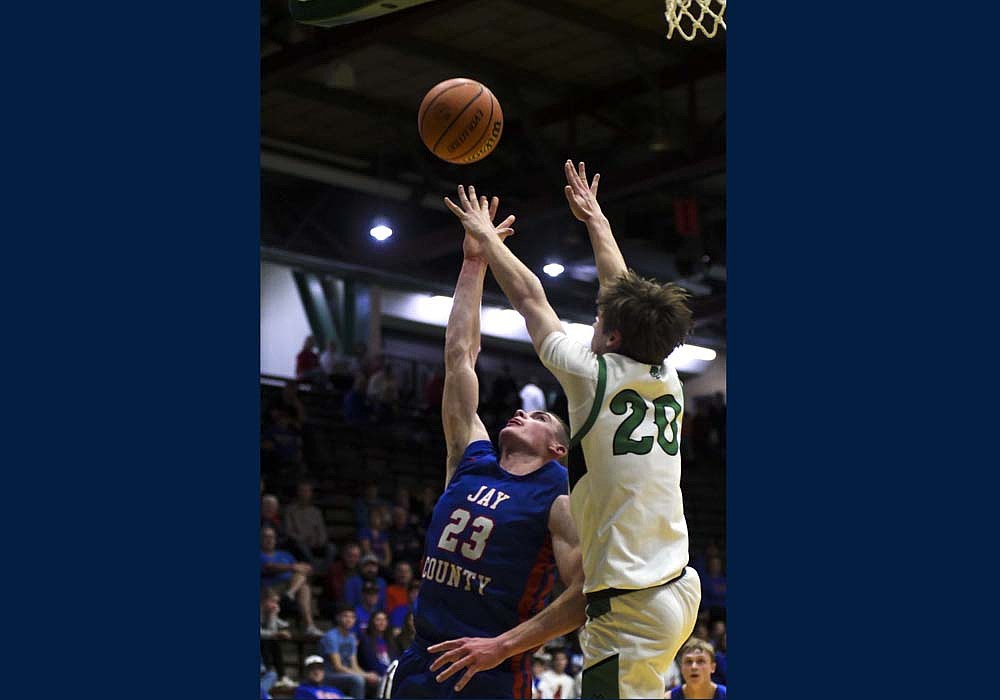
690	16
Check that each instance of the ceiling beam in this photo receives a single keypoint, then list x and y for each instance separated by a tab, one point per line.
325	45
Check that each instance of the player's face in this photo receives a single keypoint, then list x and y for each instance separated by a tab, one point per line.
536	429
697	667
347	619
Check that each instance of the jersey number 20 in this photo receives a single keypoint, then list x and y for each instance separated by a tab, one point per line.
629	400
480	532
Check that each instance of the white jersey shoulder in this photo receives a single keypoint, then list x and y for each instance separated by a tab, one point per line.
627	417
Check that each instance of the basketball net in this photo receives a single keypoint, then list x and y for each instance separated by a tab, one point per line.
706	16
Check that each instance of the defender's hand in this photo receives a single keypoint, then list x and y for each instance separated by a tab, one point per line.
581	197
476	215
474	654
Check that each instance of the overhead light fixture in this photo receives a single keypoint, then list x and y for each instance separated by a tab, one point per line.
553	269
380	232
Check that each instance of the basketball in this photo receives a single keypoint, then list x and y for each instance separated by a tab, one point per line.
460	120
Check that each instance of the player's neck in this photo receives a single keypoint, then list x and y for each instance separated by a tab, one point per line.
702	690
515	461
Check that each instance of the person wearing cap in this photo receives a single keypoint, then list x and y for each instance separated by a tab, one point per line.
367	607
339	647
313	687
368	572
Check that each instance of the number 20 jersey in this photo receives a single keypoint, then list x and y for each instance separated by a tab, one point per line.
626	481
488	561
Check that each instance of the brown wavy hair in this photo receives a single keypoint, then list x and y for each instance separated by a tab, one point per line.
652	318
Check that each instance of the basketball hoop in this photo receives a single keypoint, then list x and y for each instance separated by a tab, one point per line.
681	17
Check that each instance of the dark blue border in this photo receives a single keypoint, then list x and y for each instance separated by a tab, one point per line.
856	252
131	349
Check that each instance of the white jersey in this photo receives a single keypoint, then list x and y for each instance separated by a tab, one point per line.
625	484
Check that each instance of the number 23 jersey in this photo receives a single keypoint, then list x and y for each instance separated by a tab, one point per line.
625	464
488	561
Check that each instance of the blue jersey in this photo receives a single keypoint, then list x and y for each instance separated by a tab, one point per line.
488	561
678	692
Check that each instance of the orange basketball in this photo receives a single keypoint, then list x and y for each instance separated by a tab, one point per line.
460	120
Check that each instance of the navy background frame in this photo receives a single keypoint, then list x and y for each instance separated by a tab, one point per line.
132	297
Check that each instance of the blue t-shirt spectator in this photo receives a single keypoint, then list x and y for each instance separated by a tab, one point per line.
336	642
678	693
278	556
307	691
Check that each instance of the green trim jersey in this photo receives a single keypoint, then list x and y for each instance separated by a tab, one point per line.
625	464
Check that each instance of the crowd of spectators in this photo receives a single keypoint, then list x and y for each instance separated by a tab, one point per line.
367	583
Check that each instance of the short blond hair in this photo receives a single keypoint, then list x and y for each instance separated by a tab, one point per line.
695	645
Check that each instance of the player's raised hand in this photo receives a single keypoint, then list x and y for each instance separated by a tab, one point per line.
476	215
582	197
473	247
474	654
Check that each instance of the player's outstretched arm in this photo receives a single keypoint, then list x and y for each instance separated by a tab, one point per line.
582	200
565	614
460	402
519	284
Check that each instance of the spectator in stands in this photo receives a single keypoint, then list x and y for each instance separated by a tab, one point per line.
383	393
290	400
406	633
377	648
313	687
720	676
697	666
360	361
356	403
397	615
538	669
281	441
713	590
368	606
304	523
280	571
340	651
270	516
272	629
532	397
374	538
405	544
434	391
555	682
307	363
368	572
336	365
368	500
267	680
341	570
398	592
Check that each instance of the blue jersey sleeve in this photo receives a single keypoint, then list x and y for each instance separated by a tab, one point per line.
474	451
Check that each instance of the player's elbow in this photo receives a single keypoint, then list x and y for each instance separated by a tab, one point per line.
459	354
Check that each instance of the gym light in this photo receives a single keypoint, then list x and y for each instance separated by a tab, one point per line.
380	232
553	269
